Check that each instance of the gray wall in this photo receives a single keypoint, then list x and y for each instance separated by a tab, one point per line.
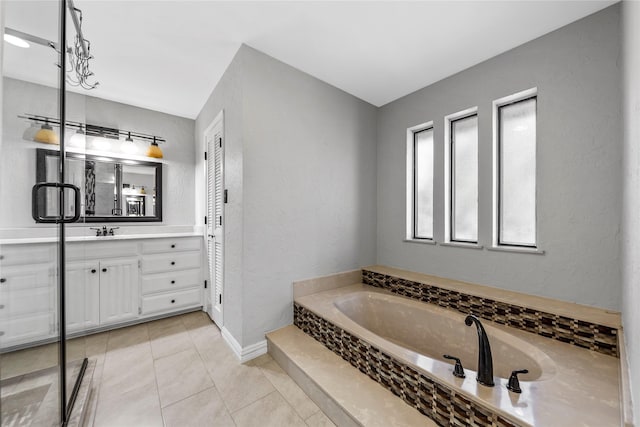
227	96
579	154
17	163
310	186
631	203
304	204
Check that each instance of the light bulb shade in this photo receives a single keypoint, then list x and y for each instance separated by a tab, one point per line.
30	132
46	135
16	41
101	143
129	147
78	140
154	151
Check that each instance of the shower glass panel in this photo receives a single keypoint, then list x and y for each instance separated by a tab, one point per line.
41	295
30	346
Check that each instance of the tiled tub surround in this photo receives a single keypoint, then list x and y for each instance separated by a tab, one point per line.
583	326
573	385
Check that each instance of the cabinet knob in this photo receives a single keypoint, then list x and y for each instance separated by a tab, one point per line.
173	263
93	270
104	270
173	301
173	246
173	282
3	280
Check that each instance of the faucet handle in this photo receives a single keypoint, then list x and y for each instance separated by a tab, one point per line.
458	370
98	231
514	383
111	230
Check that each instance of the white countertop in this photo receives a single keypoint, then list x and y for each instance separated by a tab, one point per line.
85	234
95	238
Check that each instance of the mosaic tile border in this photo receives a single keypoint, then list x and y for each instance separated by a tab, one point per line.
592	336
437	401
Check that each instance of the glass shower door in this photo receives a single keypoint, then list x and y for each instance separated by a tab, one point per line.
40	367
31	377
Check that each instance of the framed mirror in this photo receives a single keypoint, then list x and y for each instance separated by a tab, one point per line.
112	189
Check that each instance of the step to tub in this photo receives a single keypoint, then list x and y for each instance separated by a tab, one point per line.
346	395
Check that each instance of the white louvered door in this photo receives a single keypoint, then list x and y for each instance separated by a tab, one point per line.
215	206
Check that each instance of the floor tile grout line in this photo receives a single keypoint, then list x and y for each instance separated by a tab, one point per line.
187	397
213	386
285	397
269	394
249	404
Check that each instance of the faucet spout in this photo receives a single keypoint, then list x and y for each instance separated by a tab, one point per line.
485	361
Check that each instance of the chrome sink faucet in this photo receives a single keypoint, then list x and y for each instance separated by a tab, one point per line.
485	361
103	231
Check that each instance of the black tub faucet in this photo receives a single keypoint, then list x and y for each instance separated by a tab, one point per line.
485	361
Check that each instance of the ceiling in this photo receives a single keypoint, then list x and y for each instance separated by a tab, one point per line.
169	55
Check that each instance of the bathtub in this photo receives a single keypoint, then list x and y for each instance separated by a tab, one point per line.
566	385
433	331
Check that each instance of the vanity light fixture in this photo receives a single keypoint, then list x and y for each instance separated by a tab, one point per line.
16	41
154	150
93	137
47	135
31	131
128	145
78	139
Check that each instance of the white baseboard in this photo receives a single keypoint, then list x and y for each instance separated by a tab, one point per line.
247	353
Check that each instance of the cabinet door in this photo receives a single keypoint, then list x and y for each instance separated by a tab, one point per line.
119	295
82	296
27	303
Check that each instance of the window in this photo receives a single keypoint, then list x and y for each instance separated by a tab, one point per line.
462	176
516	172
420	173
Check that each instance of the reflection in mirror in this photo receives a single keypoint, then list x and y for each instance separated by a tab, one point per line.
112	189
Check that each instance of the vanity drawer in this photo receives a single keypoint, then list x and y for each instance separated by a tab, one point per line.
156	246
162	282
21	277
80	251
170	262
171	301
26	254
27	329
26	301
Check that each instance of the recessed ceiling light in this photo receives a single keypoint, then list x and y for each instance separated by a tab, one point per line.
16	41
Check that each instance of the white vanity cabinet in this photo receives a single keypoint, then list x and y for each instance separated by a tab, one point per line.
101	292
109	282
119	290
83	296
171	275
27	293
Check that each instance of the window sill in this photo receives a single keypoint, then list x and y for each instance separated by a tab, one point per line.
420	241
514	249
462	245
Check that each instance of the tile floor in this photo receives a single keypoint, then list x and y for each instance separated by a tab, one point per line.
179	372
